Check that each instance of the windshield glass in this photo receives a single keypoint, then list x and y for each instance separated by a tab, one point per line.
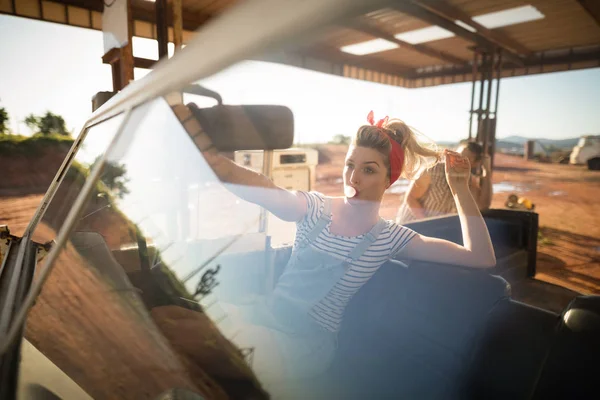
170	279
158	234
174	276
94	142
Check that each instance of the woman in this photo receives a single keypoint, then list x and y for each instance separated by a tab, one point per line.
341	242
430	196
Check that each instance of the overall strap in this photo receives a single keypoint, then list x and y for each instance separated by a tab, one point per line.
367	241
322	222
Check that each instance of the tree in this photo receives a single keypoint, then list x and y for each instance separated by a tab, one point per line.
114	176
3	120
341	139
32	122
47	124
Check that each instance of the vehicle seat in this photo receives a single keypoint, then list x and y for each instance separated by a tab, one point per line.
410	332
511	351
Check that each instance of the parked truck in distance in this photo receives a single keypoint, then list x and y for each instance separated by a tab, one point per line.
587	152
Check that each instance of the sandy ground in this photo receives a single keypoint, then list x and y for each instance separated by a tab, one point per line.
565	197
16	211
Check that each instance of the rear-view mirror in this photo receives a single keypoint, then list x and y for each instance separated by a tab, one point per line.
247	127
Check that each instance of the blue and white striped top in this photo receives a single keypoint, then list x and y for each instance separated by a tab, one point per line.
329	311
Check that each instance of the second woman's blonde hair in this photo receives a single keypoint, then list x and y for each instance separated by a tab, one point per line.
420	153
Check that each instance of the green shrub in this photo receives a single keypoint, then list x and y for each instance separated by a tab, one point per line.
19	144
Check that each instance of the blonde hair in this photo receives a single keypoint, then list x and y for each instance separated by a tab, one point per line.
419	155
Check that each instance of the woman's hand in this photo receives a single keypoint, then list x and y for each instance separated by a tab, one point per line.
458	171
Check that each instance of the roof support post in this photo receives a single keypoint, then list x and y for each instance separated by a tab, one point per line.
484	58
474	78
490	69
178	24
498	77
121	59
487	126
162	30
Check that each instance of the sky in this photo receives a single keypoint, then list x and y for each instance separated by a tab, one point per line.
58	68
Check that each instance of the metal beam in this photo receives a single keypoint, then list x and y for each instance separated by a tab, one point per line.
540	60
423	14
452	13
592	7
320	53
364	26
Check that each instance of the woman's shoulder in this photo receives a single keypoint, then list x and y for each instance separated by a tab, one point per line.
396	235
315	202
312	197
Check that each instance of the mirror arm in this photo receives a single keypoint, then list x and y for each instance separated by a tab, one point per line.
202	91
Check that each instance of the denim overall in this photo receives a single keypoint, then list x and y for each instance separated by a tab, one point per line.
308	277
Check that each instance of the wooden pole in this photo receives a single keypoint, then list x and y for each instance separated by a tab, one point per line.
484	59
177	24
121	58
127	51
474	75
162	28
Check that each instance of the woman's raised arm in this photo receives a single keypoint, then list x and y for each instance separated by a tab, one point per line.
477	250
243	182
257	188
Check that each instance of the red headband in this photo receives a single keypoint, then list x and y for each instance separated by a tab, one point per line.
396	152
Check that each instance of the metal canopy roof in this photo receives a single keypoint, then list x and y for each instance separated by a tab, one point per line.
566	37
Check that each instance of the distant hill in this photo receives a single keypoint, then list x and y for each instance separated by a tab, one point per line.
509	147
514	144
560	143
447	144
500	144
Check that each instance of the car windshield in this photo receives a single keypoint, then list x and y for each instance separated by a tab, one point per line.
159	236
165	265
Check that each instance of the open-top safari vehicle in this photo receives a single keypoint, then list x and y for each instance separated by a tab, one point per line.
114	290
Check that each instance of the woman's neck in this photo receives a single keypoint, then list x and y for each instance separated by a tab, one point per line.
356	217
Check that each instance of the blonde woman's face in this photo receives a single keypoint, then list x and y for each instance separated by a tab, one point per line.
366	172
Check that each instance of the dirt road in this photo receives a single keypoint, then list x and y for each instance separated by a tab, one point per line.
566	198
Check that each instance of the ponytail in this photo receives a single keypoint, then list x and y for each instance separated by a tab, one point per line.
420	153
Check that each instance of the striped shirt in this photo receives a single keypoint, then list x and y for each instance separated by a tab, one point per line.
393	238
436	201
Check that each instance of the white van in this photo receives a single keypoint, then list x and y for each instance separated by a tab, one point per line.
587	152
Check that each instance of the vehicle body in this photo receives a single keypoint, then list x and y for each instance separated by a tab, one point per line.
128	302
587	152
